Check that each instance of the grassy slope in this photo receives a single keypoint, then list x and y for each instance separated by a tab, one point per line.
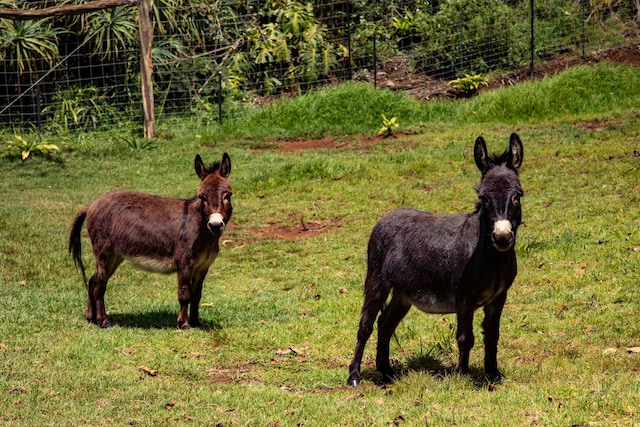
568	322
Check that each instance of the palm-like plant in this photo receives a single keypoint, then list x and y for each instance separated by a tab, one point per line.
23	43
113	30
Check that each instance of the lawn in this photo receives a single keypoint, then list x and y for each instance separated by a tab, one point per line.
281	304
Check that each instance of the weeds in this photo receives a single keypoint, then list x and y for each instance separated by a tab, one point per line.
388	125
469	84
24	149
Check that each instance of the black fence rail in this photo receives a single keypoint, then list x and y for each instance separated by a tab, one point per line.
83	71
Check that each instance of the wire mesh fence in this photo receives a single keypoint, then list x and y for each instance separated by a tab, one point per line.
82	71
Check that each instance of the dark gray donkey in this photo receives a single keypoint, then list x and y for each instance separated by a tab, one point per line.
446	264
157	234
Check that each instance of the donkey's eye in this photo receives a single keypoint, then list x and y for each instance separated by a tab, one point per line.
515	199
227	197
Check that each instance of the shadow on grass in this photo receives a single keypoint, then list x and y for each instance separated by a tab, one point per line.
159	319
433	367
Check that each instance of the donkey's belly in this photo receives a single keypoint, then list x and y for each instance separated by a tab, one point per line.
154	265
431	303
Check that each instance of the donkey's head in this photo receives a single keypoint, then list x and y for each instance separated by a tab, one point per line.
215	192
500	191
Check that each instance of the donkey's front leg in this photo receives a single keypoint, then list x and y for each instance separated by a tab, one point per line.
491	328
464	336
184	298
196	295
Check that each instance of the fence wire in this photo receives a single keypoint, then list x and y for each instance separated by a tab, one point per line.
82	72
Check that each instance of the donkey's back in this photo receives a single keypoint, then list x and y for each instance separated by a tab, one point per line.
141	228
423	256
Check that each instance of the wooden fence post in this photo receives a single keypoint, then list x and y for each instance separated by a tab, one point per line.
146	72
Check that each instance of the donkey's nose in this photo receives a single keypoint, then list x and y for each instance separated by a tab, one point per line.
502	236
216	223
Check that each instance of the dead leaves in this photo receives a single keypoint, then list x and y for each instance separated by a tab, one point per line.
150	372
612	350
171	404
289	352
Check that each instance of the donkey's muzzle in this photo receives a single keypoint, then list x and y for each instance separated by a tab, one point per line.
216	223
502	236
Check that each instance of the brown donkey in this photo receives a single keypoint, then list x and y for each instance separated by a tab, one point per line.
156	234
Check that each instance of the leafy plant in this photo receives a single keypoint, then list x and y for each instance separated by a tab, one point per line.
27	149
292	47
387	126
114	30
23	43
135	143
469	84
81	108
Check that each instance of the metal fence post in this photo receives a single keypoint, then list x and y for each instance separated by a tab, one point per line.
582	13
461	48
531	72
375	60
349	16
219	98
39	112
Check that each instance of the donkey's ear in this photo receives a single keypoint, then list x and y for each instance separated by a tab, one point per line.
201	169
516	151
225	166
480	155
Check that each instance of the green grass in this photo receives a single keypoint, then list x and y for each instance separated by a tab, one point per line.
280	315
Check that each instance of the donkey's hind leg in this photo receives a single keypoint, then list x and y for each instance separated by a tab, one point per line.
375	295
387	323
105	267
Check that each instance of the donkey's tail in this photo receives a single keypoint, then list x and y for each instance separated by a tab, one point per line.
75	244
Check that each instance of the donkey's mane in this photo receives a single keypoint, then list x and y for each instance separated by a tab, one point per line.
215	166
499	159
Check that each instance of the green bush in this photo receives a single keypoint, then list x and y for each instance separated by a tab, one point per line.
81	109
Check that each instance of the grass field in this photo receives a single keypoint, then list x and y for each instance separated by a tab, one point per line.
280	305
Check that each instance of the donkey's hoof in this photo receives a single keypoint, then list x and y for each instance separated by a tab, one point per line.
353	382
388	375
105	325
185	326
495	377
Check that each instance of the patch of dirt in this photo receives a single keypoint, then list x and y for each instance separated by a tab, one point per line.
299	228
394	74
286	146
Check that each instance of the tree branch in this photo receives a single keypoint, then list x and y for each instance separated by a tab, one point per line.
65	10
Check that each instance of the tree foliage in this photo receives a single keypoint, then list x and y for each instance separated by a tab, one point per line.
252	47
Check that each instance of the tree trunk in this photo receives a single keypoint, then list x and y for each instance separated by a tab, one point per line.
146	72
